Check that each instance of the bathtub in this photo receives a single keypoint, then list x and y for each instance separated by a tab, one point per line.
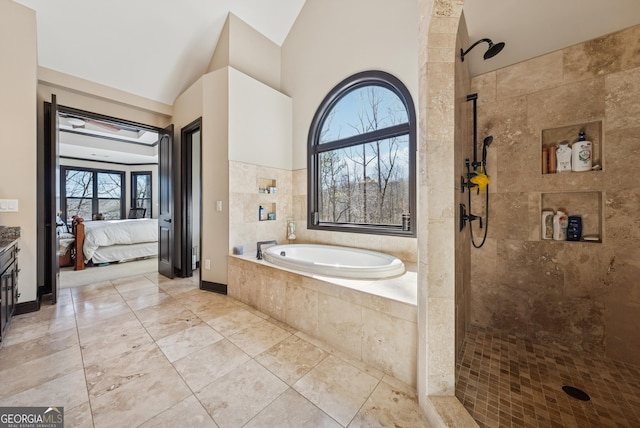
329	260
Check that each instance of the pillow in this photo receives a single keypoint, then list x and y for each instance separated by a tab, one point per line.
66	235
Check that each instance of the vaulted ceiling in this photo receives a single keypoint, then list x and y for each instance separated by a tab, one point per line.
157	48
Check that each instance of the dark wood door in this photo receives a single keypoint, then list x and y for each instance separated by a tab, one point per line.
165	203
51	202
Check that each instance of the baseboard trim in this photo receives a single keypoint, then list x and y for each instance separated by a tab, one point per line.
214	287
26	307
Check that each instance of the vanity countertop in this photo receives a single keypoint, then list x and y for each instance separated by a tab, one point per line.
8	237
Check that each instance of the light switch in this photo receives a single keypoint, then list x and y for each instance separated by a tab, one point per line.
9	205
218	205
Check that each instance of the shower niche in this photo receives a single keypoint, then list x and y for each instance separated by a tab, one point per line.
576	193
587	205
552	137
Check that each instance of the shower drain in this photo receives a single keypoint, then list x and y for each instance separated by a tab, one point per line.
576	393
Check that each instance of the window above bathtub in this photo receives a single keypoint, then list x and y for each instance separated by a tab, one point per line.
361	162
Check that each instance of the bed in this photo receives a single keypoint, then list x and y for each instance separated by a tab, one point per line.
107	241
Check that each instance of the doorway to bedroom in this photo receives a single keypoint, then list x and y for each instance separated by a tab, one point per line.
107	175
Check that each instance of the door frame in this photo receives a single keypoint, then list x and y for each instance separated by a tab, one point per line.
186	196
45	202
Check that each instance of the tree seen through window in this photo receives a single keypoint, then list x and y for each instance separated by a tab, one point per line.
362	150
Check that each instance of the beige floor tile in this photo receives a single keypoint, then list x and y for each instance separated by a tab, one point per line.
185	342
19	378
22	330
116	372
205	304
204	366
107	360
149	300
259	337
337	388
291	359
42	346
48	311
98	303
92	291
79	416
131	283
187	413
174	287
107	339
167	319
139	400
292	410
146	289
389	406
68	391
237	397
234	321
111	312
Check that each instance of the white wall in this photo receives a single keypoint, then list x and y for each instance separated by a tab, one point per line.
333	39
18	134
259	123
215	174
330	41
240	46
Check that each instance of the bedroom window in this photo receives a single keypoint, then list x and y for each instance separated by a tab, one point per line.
141	191
361	164
87	192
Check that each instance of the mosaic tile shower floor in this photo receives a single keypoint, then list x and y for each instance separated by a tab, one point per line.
504	381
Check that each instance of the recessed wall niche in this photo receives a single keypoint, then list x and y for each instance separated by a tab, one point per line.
587	205
569	134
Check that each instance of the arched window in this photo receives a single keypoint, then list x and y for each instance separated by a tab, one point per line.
362	158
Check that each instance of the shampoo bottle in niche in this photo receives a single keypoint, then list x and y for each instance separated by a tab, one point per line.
563	157
547	224
560	223
261	215
581	154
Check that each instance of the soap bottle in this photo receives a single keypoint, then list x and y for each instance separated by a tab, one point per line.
547	224
563	157
560	223
581	154
261	216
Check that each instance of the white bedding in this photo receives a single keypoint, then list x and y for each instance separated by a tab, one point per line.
118	232
123	253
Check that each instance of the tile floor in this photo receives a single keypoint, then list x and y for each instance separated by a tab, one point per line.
147	351
504	381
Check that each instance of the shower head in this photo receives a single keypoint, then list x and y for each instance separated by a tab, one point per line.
494	49
486	143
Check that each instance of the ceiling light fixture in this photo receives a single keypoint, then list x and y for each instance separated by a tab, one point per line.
75	122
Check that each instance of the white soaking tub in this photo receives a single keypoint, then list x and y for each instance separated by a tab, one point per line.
329	260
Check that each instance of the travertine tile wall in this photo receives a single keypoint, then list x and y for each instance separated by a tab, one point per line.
375	330
291	202
582	296
245	228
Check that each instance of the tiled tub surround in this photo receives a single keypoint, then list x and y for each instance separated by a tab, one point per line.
371	320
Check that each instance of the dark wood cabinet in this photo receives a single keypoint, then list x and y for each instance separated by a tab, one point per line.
9	281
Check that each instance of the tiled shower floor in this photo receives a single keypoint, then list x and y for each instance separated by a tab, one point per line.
504	381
